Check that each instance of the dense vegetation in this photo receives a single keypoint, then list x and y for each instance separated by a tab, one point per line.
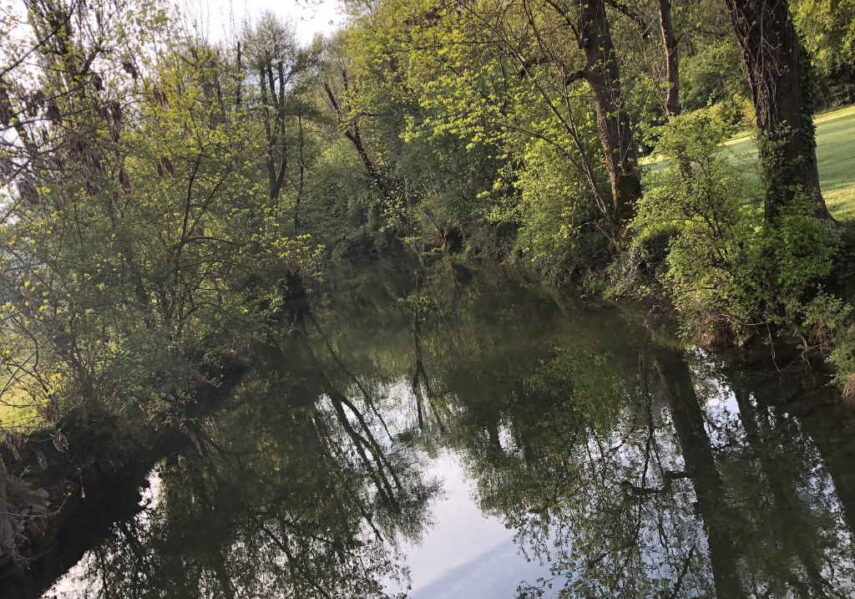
169	204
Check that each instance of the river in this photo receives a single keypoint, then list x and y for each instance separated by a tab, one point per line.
442	436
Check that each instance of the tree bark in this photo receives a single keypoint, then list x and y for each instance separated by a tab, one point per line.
274	126
672	59
603	75
778	70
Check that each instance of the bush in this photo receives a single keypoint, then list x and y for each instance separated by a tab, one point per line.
736	113
700	204
559	231
828	326
726	273
711	75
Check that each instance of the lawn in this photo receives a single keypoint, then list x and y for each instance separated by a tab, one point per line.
835	148
17	413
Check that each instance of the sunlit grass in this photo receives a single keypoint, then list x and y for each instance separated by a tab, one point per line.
835	149
17	411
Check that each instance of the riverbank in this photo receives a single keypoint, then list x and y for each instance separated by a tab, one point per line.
88	467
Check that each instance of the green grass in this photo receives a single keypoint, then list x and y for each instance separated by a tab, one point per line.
16	413
835	150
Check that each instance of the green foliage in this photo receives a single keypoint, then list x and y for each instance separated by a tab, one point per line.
149	242
179	195
712	75
736	113
827	28
558	232
725	272
802	251
491	143
697	203
828	326
843	359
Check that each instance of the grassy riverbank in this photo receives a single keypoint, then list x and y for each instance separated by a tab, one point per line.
835	141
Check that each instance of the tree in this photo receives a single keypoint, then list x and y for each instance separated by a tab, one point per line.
672	58
779	74
281	69
134	207
602	73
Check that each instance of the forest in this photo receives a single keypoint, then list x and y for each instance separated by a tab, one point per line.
182	217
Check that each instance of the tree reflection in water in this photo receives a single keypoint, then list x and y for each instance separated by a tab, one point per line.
627	468
287	495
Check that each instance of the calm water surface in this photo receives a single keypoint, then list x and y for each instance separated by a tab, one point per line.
428	438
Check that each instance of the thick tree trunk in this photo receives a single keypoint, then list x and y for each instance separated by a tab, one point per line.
672	59
779	75
718	518
603	75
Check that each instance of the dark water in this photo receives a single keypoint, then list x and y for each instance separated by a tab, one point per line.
486	440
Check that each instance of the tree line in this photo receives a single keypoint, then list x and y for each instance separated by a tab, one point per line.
166	199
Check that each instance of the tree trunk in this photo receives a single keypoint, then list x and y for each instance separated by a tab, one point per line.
375	175
718	518
672	59
779	76
274	126
603	75
301	174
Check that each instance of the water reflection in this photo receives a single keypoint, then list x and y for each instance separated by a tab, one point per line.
289	494
621	466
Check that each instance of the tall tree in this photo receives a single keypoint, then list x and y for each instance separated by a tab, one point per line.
672	58
779	71
602	72
280	66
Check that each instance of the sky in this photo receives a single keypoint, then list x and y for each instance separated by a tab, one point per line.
217	18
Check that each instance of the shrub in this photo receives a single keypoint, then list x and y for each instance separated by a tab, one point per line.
699	203
726	273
